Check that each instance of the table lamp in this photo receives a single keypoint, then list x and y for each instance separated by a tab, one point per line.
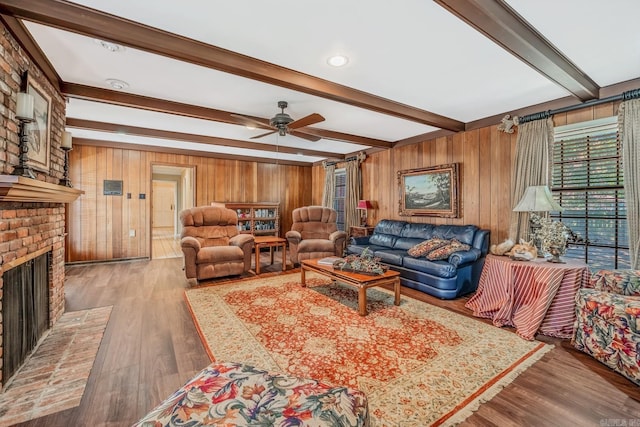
364	205
537	198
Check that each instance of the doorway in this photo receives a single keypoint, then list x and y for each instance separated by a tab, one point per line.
172	190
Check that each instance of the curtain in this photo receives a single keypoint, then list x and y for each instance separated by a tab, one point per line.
329	185
351	214
533	154
629	123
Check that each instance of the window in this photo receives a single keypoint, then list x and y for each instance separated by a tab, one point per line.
587	182
340	195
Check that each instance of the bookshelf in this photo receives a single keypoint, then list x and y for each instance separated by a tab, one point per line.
259	219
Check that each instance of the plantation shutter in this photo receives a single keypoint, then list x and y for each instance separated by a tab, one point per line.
587	181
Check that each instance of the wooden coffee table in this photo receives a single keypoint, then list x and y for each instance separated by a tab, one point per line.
360	281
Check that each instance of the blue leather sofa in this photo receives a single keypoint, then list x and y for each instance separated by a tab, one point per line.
446	279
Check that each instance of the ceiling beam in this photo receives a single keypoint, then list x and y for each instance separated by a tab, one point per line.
188	137
23	37
123	99
93	23
170	107
502	24
182	151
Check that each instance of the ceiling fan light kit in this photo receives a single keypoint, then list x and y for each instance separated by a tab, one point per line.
283	124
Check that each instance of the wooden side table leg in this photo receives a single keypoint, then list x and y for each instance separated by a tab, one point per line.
257	250
362	301
271	253
302	277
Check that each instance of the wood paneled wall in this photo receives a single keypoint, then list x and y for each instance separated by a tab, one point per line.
99	225
486	157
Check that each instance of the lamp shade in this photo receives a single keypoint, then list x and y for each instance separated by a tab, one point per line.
24	106
537	198
364	204
67	138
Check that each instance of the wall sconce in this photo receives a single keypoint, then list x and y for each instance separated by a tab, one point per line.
24	114
364	205
67	146
537	198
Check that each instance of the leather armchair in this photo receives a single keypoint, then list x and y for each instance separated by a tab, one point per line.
211	243
314	234
607	325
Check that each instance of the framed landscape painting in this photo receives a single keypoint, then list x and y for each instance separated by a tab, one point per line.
431	191
39	130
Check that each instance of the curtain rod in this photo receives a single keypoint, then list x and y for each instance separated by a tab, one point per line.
625	96
360	157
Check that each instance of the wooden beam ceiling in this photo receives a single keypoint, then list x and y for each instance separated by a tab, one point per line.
187	137
21	34
170	150
500	23
187	110
89	22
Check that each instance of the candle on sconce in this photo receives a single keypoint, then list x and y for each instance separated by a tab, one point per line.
67	140
24	106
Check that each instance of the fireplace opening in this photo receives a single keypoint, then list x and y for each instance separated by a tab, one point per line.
25	311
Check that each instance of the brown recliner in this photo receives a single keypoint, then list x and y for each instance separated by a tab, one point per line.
314	234
212	244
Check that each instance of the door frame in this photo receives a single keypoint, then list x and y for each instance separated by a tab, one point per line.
178	169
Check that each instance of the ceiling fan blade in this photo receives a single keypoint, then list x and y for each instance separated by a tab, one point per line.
264	134
249	121
306	121
306	136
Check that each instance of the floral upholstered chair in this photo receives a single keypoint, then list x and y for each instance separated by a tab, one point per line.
607	323
233	394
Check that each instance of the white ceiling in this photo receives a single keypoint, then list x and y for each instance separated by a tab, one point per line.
416	53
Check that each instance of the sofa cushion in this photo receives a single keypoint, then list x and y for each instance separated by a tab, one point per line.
390	256
426	246
358	249
380	239
444	251
462	233
435	268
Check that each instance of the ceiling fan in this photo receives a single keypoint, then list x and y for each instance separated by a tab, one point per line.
283	124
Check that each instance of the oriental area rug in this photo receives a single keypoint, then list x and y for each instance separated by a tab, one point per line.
54	377
418	364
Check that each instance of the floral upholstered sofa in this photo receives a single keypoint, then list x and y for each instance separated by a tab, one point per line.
233	394
607	324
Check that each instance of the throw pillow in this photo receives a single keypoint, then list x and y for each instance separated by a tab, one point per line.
425	247
443	252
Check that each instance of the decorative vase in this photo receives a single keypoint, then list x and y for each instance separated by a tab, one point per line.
555	255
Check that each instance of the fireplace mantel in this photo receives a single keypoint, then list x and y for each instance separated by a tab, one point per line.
15	188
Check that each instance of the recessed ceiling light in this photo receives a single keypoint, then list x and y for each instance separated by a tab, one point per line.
337	60
111	47
250	127
117	84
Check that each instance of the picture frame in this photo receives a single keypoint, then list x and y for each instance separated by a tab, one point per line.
39	130
430	191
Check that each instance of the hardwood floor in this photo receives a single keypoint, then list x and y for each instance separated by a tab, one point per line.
150	348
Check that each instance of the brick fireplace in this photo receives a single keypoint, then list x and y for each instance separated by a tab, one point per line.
26	230
32	211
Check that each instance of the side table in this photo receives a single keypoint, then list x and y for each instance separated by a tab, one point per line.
270	242
532	296
360	231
